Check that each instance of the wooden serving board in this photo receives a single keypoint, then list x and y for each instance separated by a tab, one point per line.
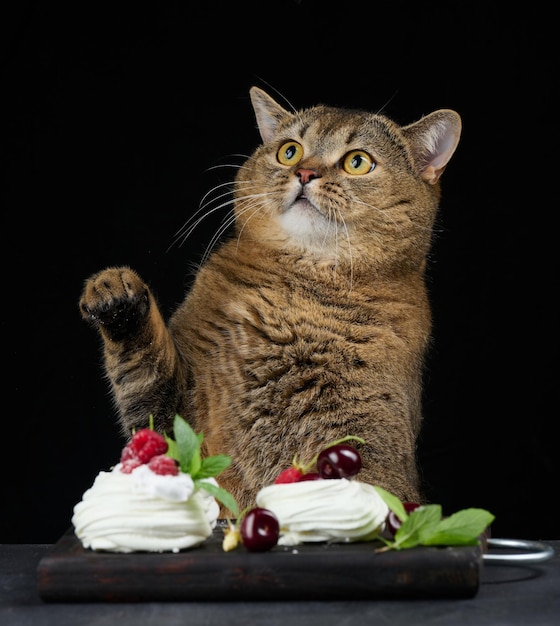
69	573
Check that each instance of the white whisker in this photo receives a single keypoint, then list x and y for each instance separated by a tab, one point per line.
206	209
255	205
245	204
350	254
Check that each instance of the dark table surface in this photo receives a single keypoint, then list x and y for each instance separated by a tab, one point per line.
527	595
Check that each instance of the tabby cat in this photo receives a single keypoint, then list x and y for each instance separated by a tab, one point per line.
312	320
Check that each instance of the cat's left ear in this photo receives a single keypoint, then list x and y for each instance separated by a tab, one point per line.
267	111
434	139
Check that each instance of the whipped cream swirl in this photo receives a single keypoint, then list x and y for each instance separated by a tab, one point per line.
332	510
144	511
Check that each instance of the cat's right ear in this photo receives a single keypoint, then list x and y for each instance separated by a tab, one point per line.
267	111
433	140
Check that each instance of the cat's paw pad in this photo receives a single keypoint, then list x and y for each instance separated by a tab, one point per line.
116	299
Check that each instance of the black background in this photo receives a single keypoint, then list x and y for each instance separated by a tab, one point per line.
115	118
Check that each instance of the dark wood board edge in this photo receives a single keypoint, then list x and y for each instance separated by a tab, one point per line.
69	573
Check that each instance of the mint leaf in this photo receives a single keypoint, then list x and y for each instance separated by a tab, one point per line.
425	526
461	528
172	450
421	523
213	465
220	494
196	462
392	502
187	449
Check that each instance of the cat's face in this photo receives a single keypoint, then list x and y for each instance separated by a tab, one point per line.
335	183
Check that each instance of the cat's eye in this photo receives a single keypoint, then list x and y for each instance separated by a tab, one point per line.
290	153
358	163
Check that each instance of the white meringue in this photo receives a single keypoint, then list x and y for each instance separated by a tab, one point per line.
329	510
144	511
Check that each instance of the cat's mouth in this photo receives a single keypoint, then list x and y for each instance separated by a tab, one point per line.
303	203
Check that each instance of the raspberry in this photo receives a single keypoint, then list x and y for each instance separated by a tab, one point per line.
129	464
290	475
128	454
163	465
146	443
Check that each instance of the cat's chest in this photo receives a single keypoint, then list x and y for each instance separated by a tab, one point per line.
307	321
257	310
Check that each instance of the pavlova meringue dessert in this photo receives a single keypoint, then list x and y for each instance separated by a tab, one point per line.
143	511
146	502
321	501
337	510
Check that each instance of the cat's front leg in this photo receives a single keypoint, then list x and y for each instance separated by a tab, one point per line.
140	356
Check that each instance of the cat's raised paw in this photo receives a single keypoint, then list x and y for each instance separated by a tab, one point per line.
116	300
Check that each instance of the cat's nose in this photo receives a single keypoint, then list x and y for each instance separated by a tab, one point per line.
305	175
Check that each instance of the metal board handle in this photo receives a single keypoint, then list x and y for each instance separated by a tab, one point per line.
535	551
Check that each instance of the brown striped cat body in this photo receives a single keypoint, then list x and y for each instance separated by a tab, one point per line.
312	321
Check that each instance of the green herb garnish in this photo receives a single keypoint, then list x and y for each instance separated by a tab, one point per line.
425	526
185	449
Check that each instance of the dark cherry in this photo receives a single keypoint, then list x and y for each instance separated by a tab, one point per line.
339	461
259	530
393	522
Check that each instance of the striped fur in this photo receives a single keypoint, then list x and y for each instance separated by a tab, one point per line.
312	321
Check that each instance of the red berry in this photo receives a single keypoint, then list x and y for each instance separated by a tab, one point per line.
129	464
163	465
290	475
146	443
339	461
259	530
393	522
128	454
